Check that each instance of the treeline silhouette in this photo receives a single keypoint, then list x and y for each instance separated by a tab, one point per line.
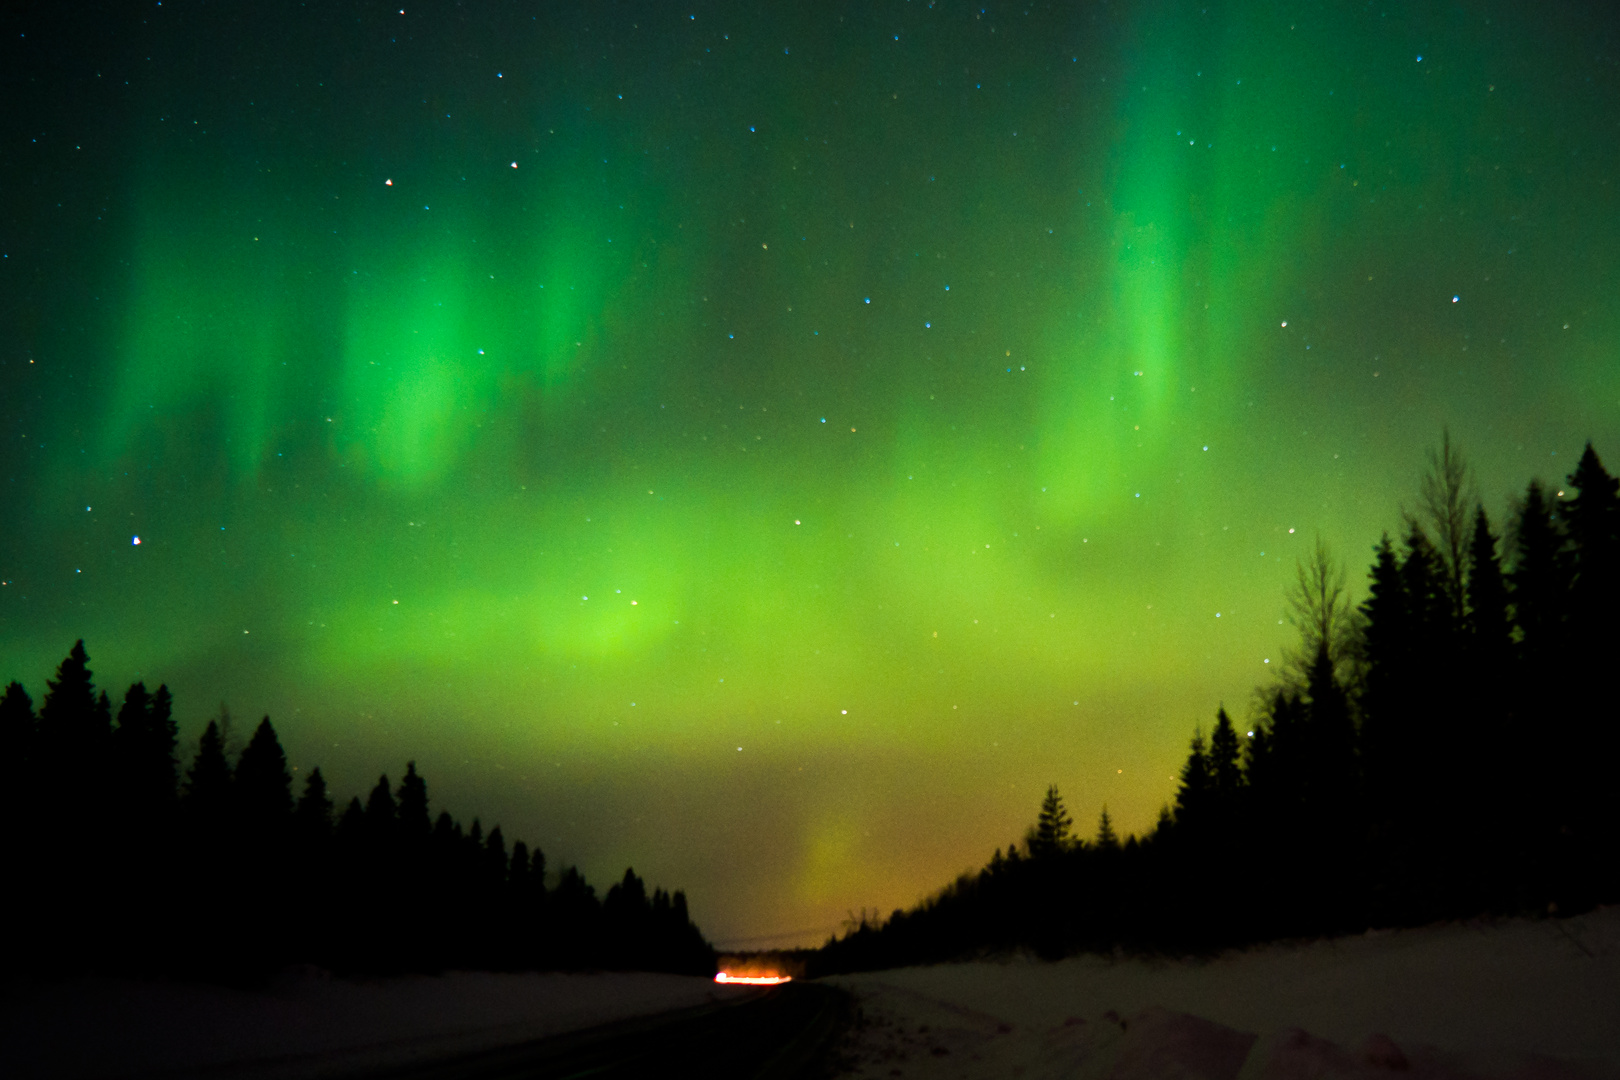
1447	749
119	863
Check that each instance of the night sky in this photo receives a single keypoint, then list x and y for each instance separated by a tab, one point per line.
768	448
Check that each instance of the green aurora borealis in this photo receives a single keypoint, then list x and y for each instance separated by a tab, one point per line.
768	449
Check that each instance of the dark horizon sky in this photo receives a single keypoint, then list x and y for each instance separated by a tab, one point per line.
766	448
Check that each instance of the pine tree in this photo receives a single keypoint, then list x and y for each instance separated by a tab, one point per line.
1592	522
263	785
382	814
1487	601
72	751
1107	839
1387	645
67	717
130	736
351	827
1193	795
1540	586
413	805
518	872
1493	843
313	815
537	872
496	863
207	795
1539	591
1225	772
1592	519
1051	834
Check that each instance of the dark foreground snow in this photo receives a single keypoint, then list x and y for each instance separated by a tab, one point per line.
1531	999
309	1025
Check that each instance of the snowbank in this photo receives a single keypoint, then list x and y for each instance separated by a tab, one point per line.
1524	998
309	1025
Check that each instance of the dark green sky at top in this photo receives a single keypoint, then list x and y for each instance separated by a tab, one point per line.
766	447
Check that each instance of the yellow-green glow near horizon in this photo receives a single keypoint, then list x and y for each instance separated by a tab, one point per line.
768	450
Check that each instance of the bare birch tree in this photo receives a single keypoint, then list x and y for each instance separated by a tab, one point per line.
1319	607
1448	497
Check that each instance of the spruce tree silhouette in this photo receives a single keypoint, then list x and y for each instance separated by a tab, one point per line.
1488	626
1331	798
1107	839
1539	580
72	754
1225	770
413	806
1498	847
1050	837
381	811
312	817
262	793
141	829
625	918
575	933
207	796
1592	523
495	859
1193	794
264	786
413	874
1539	594
207	859
127	738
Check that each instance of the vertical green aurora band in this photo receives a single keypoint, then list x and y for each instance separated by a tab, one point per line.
767	450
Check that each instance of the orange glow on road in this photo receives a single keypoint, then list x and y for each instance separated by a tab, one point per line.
752	980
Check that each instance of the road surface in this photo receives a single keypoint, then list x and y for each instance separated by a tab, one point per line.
785	1031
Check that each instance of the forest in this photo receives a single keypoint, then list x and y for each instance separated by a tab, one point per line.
124	865
1445	749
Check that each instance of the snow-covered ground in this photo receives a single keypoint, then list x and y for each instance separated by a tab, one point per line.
1532	999
1516	1000
308	1025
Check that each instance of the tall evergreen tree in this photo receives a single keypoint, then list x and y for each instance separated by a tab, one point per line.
1592	518
1051	834
1494	845
1225	770
68	715
1592	523
351	827
1539	590
313	815
131	732
382	813
207	796
1107	839
1539	582
1488	626
1193	795
518	872
263	785
413	805
264	807
1388	640
496	863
